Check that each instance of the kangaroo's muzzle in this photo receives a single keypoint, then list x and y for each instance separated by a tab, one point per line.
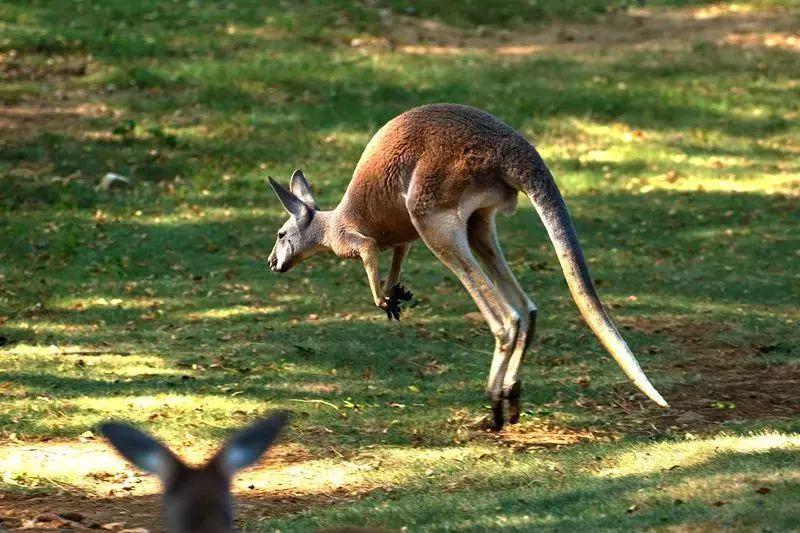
272	262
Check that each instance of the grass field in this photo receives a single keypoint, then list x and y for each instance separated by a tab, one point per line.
673	132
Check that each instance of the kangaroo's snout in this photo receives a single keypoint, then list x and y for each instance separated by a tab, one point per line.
272	262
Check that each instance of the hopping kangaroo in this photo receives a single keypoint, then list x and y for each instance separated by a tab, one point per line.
196	500
441	172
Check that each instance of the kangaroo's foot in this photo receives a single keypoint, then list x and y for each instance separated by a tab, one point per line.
495	420
512	395
397	295
489	422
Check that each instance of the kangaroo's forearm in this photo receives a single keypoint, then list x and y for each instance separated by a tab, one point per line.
369	257
395	294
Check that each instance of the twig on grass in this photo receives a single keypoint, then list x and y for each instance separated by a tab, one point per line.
323	402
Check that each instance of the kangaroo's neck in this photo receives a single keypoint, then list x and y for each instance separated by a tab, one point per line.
338	228
329	222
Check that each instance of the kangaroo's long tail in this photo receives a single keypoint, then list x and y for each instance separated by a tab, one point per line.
548	202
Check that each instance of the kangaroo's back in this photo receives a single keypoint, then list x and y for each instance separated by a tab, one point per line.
451	148
444	136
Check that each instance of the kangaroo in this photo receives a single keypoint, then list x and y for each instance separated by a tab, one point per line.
196	500
441	172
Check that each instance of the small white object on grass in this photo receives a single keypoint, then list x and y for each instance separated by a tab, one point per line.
113	181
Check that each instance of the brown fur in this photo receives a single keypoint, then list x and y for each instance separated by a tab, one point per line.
434	155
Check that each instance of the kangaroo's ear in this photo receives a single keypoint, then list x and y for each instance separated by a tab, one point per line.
142	450
246	446
293	205
300	187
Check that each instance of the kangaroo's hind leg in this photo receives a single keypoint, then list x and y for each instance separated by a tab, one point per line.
445	233
483	239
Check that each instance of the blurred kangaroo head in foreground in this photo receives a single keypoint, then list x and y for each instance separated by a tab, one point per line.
196	499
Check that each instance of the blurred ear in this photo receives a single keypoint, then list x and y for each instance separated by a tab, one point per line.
300	188
142	450
293	205
246	446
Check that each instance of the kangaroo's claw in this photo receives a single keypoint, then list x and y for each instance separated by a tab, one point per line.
391	303
391	308
400	294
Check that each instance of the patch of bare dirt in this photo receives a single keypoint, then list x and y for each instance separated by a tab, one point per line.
15	67
68	511
65	109
641	29
542	435
735	383
522	436
26	120
780	40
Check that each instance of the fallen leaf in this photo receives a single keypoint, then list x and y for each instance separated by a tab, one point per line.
435	368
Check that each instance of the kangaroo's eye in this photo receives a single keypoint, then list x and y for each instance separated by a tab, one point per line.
281	234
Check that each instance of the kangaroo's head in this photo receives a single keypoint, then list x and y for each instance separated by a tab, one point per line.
303	234
196	499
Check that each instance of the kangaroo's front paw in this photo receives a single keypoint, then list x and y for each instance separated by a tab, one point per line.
400	294
391	303
391	308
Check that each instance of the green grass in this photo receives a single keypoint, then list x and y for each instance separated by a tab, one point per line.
681	168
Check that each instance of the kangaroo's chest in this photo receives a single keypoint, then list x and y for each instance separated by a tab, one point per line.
396	227
401	232
381	214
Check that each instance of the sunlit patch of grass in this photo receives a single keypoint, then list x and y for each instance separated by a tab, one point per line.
231	312
183	418
81	466
762	183
609	150
81	359
696	451
100	302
